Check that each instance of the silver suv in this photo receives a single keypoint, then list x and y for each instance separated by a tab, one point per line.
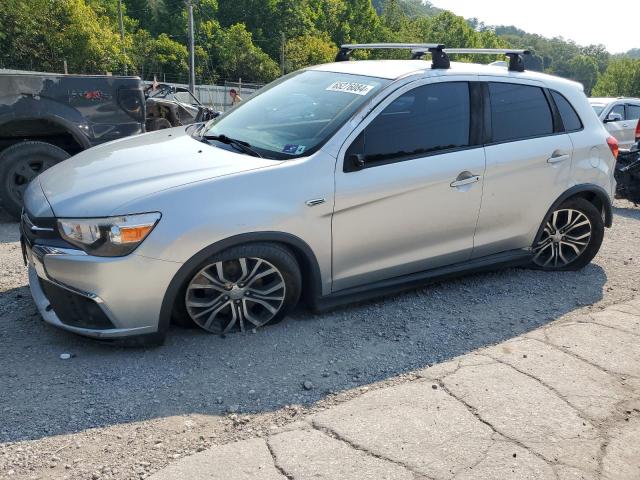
620	117
332	184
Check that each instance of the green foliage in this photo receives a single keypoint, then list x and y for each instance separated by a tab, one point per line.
584	69
245	38
239	58
42	34
622	78
160	54
308	50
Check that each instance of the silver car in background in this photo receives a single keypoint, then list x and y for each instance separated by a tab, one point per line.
332	184
620	117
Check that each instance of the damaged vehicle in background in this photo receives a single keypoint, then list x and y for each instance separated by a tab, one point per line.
170	106
46	118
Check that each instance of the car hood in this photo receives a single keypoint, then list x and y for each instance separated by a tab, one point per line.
99	180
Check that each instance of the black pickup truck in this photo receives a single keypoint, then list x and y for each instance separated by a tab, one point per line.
46	118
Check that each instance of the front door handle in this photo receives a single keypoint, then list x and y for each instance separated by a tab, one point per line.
465	181
558	156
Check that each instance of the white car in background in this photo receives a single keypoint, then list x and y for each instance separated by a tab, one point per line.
620	117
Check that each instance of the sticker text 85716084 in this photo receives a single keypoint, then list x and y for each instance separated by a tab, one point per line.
350	87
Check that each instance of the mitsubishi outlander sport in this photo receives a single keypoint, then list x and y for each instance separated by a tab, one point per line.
334	183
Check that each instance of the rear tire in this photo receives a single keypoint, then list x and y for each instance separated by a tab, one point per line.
242	288
571	237
21	163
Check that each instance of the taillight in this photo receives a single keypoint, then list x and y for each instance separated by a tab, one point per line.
613	145
638	131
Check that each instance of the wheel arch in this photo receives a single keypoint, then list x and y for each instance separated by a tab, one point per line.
46	128
590	192
307	261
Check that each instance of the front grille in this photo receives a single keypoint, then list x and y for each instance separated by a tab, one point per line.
73	309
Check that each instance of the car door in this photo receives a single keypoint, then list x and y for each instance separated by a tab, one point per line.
528	165
408	186
632	116
620	129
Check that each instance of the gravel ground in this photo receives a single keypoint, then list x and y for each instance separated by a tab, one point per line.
112	412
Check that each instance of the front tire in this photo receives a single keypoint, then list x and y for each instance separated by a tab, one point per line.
242	288
21	163
571	237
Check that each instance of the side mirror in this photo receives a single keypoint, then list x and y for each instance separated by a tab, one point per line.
357	161
613	117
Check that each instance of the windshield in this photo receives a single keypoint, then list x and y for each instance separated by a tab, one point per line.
597	108
297	114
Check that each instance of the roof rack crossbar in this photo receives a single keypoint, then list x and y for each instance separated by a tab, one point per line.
516	56
345	50
439	54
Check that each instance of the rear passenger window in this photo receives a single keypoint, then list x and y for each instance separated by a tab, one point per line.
633	112
424	120
570	118
519	111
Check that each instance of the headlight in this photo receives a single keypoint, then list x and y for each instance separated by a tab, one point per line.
110	236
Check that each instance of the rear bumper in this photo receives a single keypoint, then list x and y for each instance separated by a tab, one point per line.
99	297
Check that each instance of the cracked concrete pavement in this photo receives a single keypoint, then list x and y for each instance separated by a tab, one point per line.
561	402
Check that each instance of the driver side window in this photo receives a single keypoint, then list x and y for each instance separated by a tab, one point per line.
424	121
618	109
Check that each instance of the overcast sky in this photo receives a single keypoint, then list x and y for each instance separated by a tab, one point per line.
613	24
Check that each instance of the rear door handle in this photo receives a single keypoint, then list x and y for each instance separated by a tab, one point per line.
625	125
465	181
558	156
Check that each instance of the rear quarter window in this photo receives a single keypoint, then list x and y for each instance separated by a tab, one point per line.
519	112
570	118
633	112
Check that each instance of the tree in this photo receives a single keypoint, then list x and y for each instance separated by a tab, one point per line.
621	79
238	57
160	55
47	33
584	69
599	54
308	50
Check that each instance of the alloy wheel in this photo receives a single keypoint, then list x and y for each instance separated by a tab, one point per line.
565	237
235	294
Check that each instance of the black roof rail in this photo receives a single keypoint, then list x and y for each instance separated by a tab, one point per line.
439	54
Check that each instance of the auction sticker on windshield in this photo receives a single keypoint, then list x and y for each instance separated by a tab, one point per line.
350	87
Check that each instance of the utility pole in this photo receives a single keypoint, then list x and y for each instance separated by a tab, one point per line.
282	52
192	58
124	48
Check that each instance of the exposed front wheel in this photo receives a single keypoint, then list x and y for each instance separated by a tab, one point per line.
243	288
571	236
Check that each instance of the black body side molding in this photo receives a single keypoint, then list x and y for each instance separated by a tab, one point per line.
512	258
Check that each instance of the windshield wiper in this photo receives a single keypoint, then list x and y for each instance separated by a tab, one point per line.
239	144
